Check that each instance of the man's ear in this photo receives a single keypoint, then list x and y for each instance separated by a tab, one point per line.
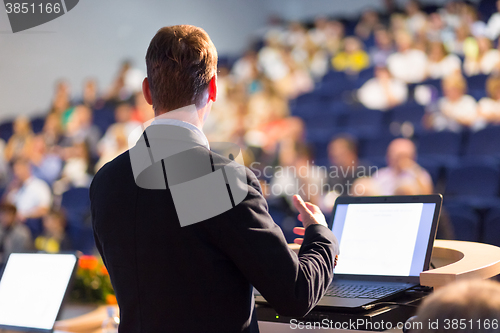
212	89
146	91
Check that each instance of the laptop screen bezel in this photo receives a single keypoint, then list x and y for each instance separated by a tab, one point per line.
69	286
433	198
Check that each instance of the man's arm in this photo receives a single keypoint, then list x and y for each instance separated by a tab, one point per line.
291	284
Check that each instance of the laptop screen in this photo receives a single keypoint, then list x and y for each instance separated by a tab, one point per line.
32	289
389	239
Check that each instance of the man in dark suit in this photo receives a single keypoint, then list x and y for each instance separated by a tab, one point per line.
170	277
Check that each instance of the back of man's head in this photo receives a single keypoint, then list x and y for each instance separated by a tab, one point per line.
181	60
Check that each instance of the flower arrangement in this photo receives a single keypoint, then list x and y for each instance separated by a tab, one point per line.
92	283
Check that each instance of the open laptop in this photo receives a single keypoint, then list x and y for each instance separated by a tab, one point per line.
385	243
32	289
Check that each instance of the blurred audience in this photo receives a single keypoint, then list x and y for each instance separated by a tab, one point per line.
456	109
383	47
489	107
383	92
353	58
441	63
81	129
402	176
385	59
45	165
408	64
53	238
19	143
15	237
480	57
31	196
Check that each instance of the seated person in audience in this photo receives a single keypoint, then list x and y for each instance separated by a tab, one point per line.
345	168
353	58
402	176
475	302
31	196
461	36
53	238
52	132
123	118
90	97
480	57
456	109
44	165
76	170
14	236
416	19
20	141
489	107
383	47
118	133
343	155
493	27
383	92
80	129
368	22
61	100
408	64
441	64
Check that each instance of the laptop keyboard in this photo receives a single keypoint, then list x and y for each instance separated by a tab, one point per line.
361	291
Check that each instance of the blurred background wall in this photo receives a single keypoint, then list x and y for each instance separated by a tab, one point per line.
89	41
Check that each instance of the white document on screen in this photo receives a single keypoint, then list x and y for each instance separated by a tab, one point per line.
32	289
379	239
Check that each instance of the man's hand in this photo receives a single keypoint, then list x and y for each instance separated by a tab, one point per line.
308	214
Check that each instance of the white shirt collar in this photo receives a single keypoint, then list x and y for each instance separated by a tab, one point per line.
184	124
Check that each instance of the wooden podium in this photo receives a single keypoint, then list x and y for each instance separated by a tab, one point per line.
454	260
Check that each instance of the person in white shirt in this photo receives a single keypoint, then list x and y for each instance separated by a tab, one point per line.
493	27
382	92
402	176
456	109
489	107
417	19
480	58
441	64
408	64
31	196
124	124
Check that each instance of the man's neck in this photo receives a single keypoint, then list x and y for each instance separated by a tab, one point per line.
188	114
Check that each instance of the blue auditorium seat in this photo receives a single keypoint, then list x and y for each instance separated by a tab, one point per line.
37	124
484	143
476	183
374	149
465	221
477	82
76	204
409	112
362	122
443	147
308	108
363	77
103	118
491	227
6	130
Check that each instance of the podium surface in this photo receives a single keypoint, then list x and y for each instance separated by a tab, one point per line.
454	260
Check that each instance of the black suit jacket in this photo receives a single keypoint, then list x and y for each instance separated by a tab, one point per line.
199	278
